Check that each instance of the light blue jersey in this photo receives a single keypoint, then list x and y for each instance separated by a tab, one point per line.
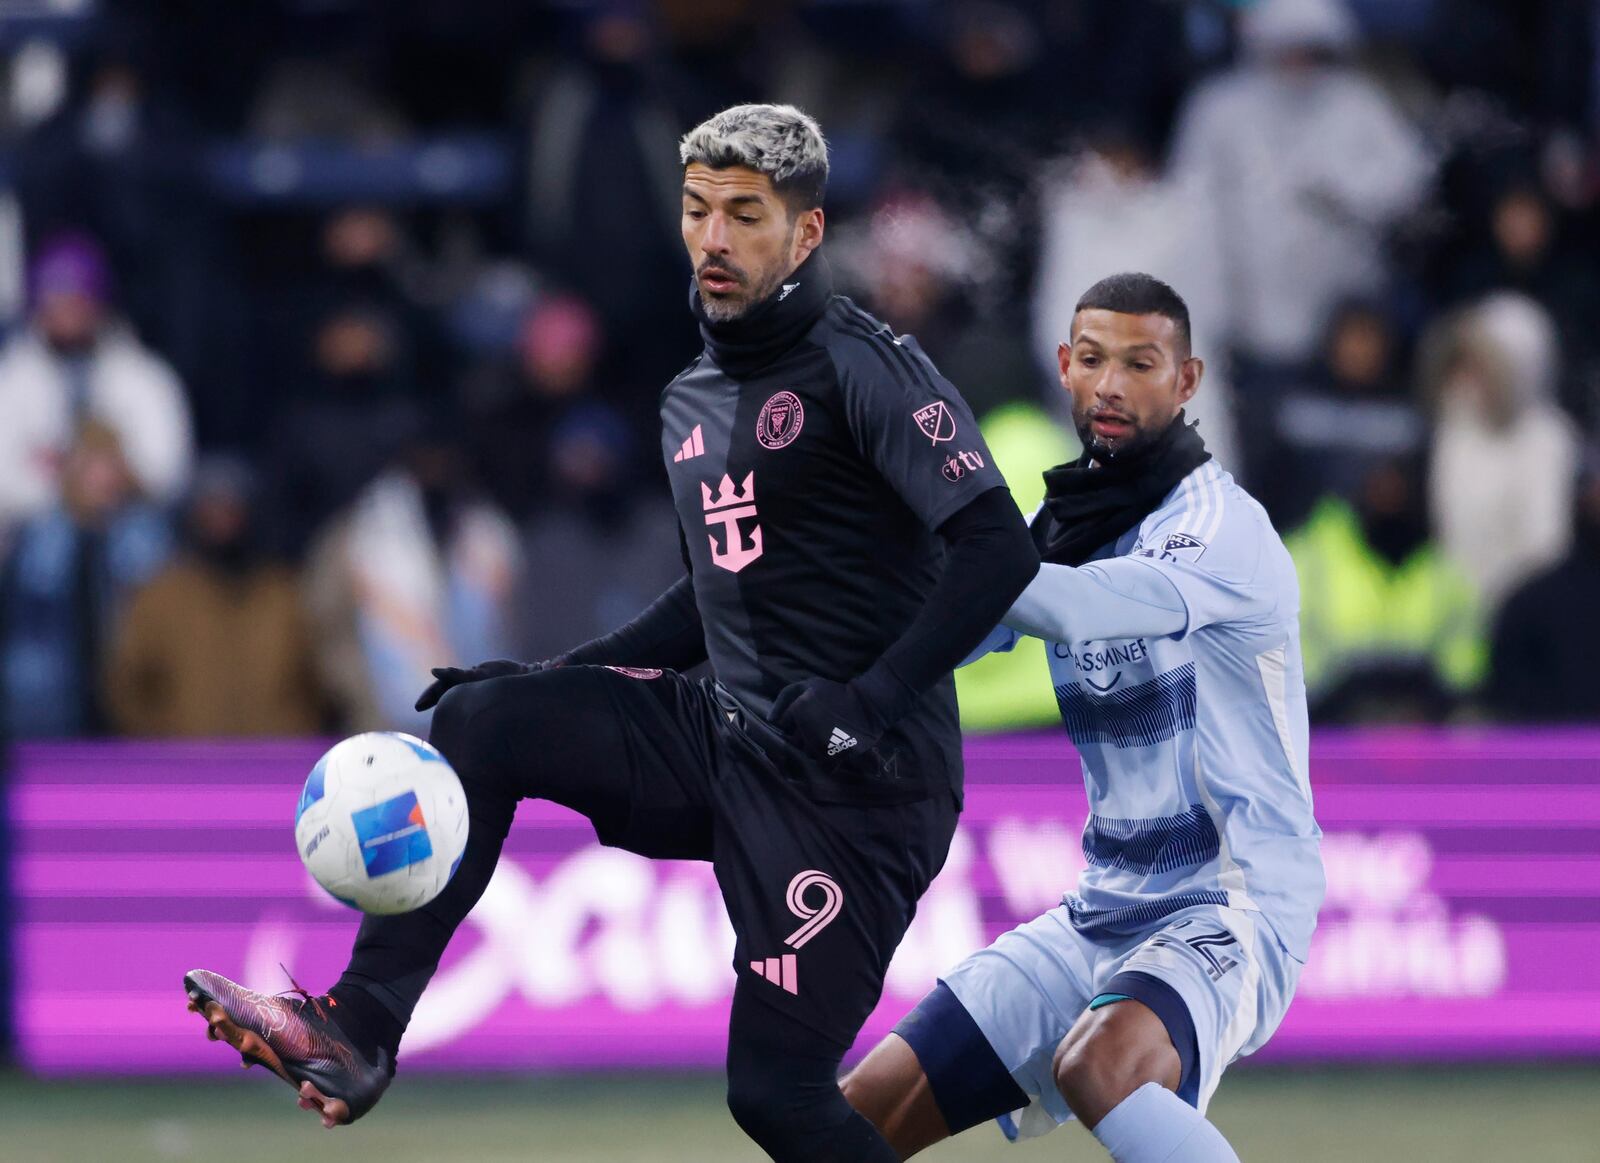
1175	656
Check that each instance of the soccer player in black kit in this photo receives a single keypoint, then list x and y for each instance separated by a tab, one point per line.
848	541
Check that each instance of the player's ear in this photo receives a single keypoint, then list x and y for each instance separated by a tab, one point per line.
1189	374
1064	359
807	233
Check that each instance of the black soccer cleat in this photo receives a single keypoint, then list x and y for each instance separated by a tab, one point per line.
297	1039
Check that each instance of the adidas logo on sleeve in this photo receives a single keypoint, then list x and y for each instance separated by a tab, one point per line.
694	446
840	742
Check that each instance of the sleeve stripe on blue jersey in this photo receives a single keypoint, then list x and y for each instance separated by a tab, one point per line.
1203	500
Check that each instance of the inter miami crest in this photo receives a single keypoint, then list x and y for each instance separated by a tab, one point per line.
780	420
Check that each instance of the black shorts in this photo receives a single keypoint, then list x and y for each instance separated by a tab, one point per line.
820	873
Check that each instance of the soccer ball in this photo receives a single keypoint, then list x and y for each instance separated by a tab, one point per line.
382	822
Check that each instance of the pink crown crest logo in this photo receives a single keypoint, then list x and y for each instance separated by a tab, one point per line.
727	507
727	494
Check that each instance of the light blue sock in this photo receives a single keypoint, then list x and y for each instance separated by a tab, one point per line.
1153	1125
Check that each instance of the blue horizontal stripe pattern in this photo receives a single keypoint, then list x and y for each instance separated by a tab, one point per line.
1151	712
1100	922
1157	844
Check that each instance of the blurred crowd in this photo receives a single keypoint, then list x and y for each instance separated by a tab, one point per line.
333	330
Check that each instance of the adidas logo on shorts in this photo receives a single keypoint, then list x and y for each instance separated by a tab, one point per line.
839	741
781	971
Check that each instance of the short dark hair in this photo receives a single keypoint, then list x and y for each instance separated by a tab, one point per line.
1134	293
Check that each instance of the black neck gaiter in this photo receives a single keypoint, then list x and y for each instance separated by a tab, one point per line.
1086	506
742	347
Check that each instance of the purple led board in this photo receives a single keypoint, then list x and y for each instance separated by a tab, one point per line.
1463	914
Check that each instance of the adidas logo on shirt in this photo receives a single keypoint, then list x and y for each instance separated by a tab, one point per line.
839	742
692	447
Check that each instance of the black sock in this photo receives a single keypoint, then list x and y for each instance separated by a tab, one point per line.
365	1020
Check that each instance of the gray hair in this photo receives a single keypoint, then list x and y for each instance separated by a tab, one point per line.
779	141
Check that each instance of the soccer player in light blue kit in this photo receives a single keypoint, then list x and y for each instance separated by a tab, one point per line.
1170	610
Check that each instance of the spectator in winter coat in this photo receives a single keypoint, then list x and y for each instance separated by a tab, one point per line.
64	586
1547	638
1390	628
1336	421
217	644
1308	164
76	363
1504	453
419	570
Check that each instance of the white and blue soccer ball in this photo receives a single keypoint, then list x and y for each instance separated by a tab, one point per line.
382	822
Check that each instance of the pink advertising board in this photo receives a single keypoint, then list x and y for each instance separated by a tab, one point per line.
1462	921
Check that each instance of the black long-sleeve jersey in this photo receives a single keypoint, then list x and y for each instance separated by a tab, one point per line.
812	455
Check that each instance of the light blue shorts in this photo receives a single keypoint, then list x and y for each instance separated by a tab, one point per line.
1027	989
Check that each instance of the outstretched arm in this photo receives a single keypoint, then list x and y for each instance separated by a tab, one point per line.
1118	598
1187	576
668	634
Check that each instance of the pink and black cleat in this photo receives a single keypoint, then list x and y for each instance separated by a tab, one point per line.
297	1039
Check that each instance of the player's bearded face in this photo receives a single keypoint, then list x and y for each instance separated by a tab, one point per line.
750	288
1129	377
1113	429
740	237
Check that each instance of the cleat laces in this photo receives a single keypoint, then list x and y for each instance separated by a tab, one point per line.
302	996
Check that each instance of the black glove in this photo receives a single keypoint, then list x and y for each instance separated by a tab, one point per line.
828	721
445	677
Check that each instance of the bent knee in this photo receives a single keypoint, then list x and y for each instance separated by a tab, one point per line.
1103	1060
765	1110
795	1113
748	1105
451	719
468	721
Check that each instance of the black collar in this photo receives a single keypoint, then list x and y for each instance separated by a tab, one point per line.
744	346
1087	505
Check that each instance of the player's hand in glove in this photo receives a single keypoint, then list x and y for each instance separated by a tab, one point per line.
828	720
445	677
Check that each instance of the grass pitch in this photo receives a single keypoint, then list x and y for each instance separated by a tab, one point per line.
1540	1113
